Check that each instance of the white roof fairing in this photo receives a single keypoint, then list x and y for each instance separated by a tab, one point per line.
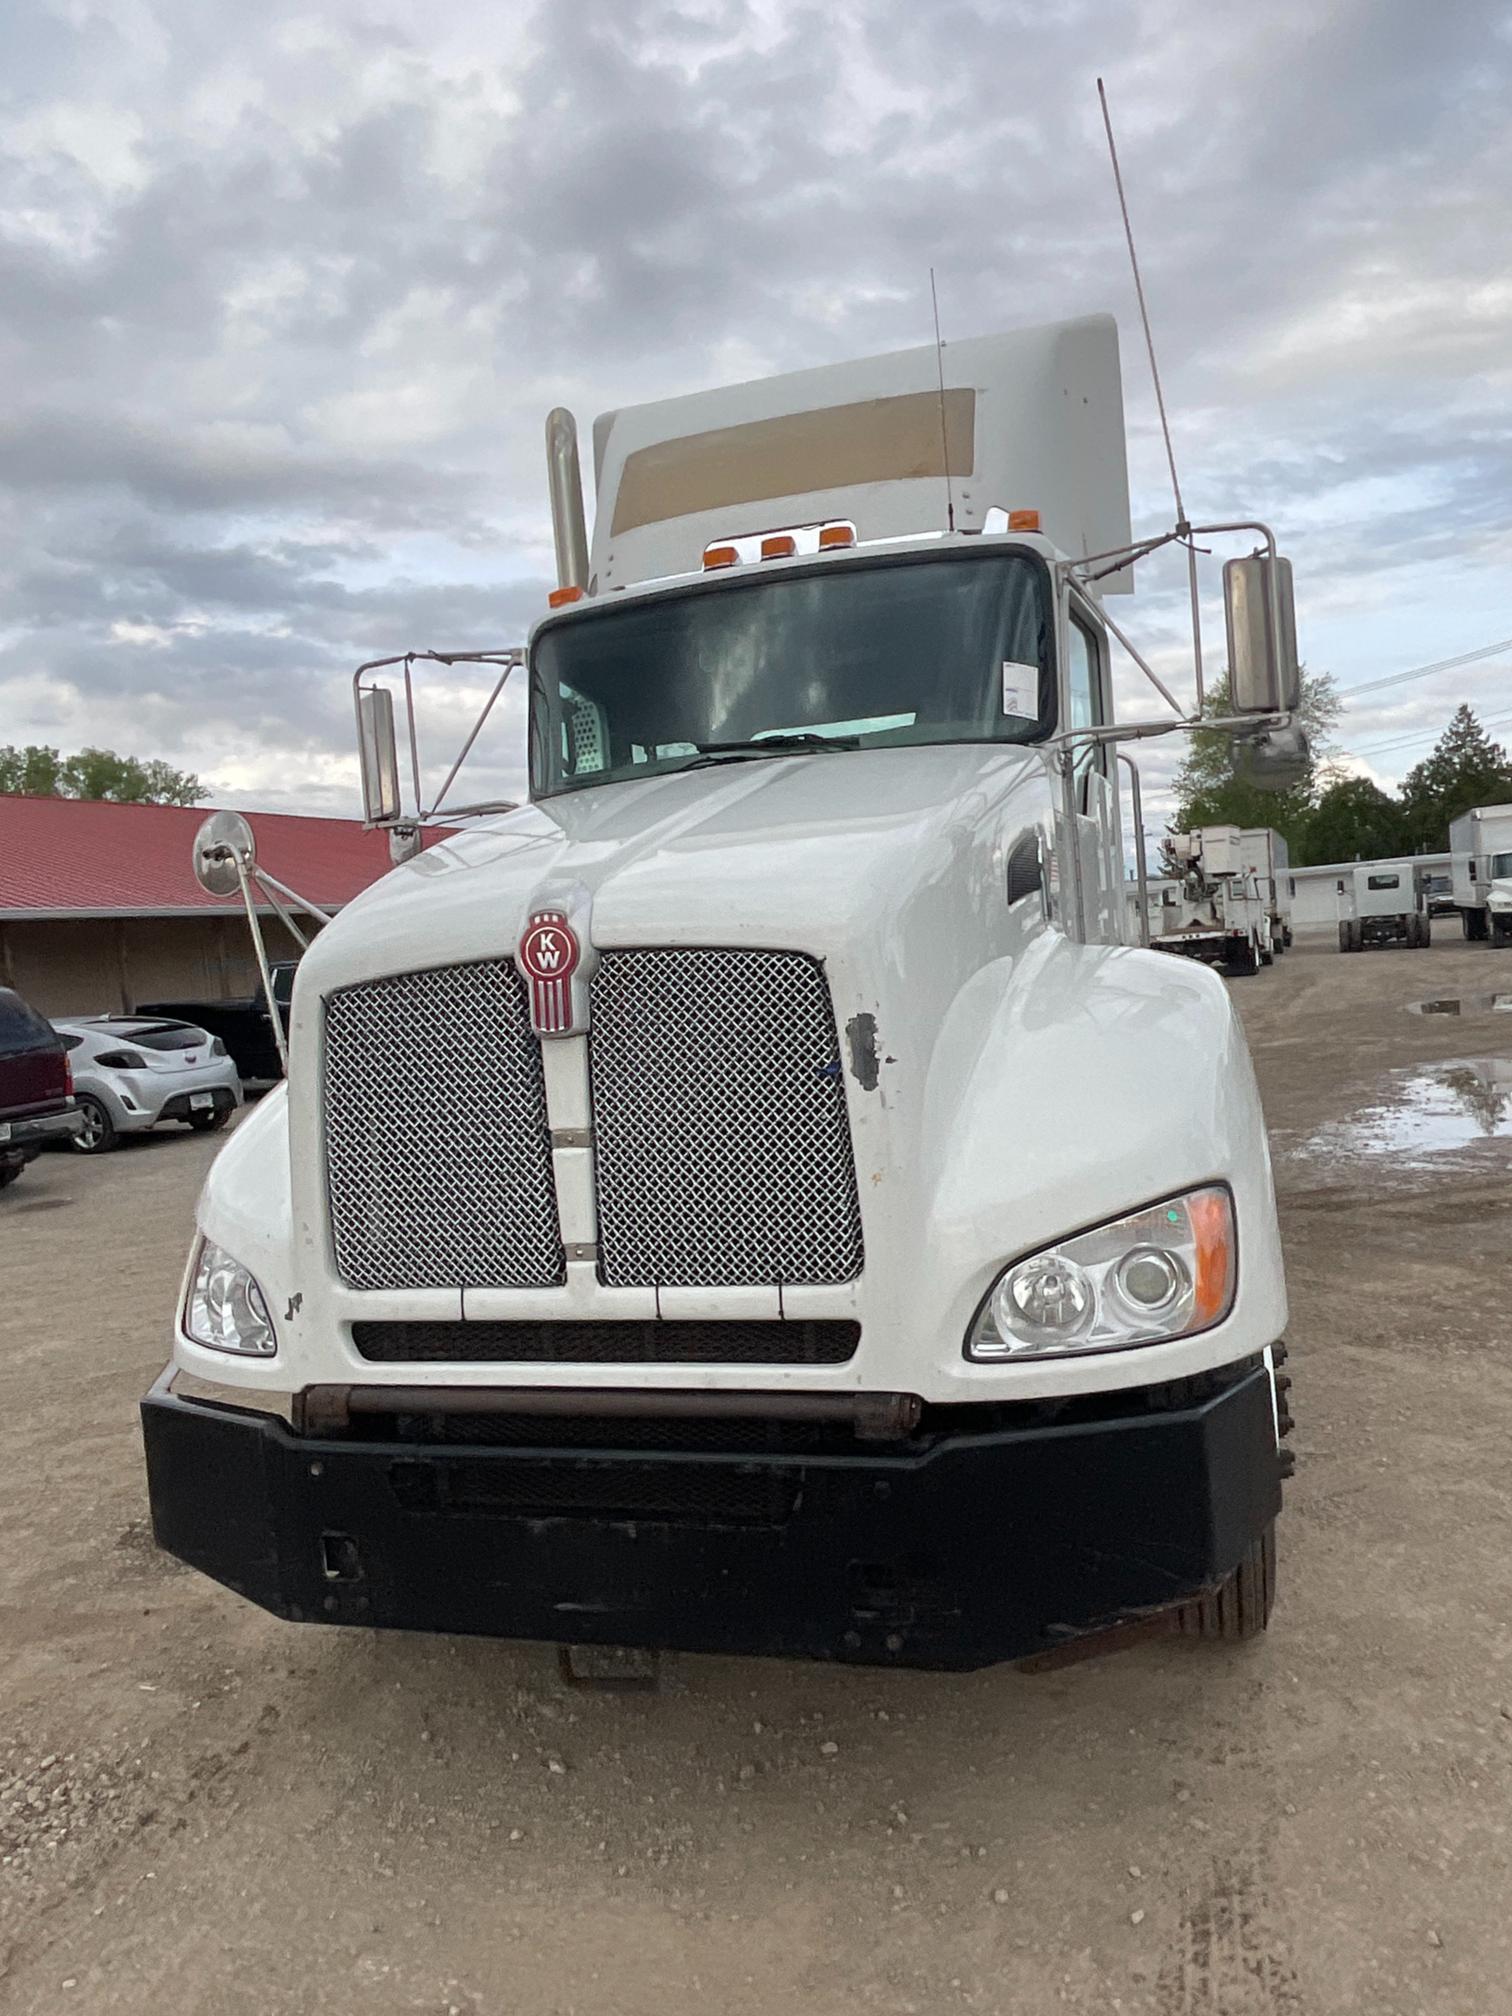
1031	420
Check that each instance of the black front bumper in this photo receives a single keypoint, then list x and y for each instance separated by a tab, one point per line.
955	1551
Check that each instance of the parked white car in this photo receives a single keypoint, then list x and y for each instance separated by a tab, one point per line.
132	1072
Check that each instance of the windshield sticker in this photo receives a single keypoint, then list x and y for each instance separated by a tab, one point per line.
1019	681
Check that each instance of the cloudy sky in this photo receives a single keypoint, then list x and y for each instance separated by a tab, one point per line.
285	293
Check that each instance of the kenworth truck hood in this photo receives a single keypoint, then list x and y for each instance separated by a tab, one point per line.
1004	1085
821	853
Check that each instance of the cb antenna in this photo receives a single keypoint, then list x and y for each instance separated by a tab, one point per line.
1183	524
1144	313
944	432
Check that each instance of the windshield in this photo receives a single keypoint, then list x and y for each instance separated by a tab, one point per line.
915	649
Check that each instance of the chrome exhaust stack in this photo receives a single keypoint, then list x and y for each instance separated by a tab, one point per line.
564	476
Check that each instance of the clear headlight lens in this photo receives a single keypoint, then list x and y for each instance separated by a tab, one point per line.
1162	1272
225	1309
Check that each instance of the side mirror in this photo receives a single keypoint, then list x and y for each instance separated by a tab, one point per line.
1262	635
378	756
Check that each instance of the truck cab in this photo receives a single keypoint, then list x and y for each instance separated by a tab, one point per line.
840	1242
1480	843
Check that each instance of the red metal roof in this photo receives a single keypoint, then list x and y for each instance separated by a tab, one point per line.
71	857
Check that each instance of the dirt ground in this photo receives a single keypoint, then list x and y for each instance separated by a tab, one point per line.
202	1809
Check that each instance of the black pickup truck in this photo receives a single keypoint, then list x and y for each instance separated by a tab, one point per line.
36	1086
244	1026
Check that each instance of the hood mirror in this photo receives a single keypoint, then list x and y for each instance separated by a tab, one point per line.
1277	759
223	840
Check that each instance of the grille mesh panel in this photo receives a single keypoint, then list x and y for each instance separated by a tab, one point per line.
723	1151
607	1343
438	1153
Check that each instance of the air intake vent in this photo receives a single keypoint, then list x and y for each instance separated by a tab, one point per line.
616	1343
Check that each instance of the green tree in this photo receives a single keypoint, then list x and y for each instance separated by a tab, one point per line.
1465	768
1354	820
33	772
40	772
1209	794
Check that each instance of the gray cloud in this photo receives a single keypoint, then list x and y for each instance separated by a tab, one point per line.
283	299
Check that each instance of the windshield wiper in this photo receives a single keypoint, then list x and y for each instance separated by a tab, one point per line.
770	745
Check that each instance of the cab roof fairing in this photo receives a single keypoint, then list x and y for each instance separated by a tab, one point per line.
1030	420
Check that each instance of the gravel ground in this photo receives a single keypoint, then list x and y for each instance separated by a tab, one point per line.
204	1809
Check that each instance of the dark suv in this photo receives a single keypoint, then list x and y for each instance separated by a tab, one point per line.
36	1086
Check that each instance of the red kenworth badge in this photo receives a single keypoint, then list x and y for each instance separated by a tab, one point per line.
549	955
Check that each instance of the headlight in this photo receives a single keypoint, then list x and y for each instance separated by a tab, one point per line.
225	1310
1163	1272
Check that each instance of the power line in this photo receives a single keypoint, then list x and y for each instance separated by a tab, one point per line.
1374	747
1348	693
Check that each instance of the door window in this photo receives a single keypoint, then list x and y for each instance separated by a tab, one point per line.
1084	697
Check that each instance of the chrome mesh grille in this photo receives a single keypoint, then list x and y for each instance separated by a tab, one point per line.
722	1145
438	1152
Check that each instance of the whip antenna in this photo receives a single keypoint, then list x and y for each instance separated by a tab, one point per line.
1144	313
1183	524
944	432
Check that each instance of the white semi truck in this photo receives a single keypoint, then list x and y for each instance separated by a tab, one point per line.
1218	912
1481	846
751	1198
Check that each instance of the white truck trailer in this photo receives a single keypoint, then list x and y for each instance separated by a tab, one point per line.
1217	912
1383	903
1481	846
1265	854
750	1198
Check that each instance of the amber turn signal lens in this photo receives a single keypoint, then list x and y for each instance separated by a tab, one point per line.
1212	1221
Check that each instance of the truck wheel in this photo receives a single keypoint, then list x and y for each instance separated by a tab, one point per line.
1474	922
10	1168
1425	932
1500	932
1344	945
1242	964
1241	1606
98	1135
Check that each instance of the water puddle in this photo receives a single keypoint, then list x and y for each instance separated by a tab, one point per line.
1464	1004
1425	1112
